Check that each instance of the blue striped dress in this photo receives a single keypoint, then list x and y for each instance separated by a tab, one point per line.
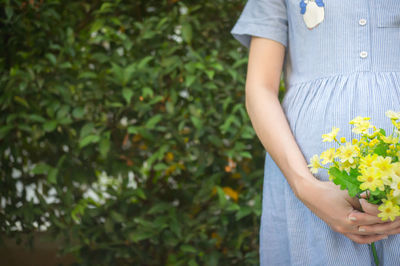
342	60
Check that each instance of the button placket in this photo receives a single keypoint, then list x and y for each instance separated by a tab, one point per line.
364	44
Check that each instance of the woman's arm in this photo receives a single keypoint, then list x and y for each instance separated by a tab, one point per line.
325	199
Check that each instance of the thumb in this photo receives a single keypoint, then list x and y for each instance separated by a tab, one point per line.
368	207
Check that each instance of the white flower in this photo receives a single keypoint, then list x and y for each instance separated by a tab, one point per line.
393	115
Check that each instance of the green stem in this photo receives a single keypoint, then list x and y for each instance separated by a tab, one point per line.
372	245
374	253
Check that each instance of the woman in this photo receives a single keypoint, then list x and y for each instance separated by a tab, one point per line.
340	60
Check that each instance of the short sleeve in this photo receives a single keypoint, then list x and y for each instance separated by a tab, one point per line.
262	18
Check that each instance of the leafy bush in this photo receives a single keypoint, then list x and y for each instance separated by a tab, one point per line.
124	131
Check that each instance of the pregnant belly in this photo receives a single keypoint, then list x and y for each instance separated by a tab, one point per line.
312	108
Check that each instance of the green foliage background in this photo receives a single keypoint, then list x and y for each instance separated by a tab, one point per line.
127	121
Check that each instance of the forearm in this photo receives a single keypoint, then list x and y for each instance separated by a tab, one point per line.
272	128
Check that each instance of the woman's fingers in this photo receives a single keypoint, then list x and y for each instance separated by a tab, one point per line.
361	218
365	239
369	208
388	228
394	232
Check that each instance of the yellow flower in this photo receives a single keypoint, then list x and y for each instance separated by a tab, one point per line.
366	162
392	198
231	193
393	115
359	119
394	180
395	123
361	124
348	152
384	165
395	185
361	127
328	156
342	139
354	141
330	136
363	143
373	142
315	164
396	169
371	179
347	166
388	210
390	139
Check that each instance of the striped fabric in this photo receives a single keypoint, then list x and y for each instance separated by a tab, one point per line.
347	66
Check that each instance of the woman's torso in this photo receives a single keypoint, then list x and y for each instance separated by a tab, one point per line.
347	66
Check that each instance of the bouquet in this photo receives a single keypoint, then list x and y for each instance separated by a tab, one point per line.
370	164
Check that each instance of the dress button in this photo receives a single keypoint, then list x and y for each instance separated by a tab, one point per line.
363	54
362	22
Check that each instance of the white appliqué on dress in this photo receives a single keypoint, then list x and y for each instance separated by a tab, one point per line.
313	12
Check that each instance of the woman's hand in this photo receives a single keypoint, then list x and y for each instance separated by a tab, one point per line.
342	213
387	228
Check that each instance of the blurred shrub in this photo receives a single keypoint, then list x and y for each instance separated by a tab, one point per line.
123	131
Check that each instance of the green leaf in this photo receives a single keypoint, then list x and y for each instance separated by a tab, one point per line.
170	107
104	146
345	181
143	63
4	130
63	111
221	197
88	140
52	176
193	262
140	193
189	79
197	122
109	225
152	122
233	207
21	100
133	130
9	12
41	168
78	112
246	154
51	58
243	212
210	73
36	118
188	248
49	126
70	36
127	94
65	65
117	217
380	149
86	130
147	91
159	208
105	8
187	32
140	235
87	75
